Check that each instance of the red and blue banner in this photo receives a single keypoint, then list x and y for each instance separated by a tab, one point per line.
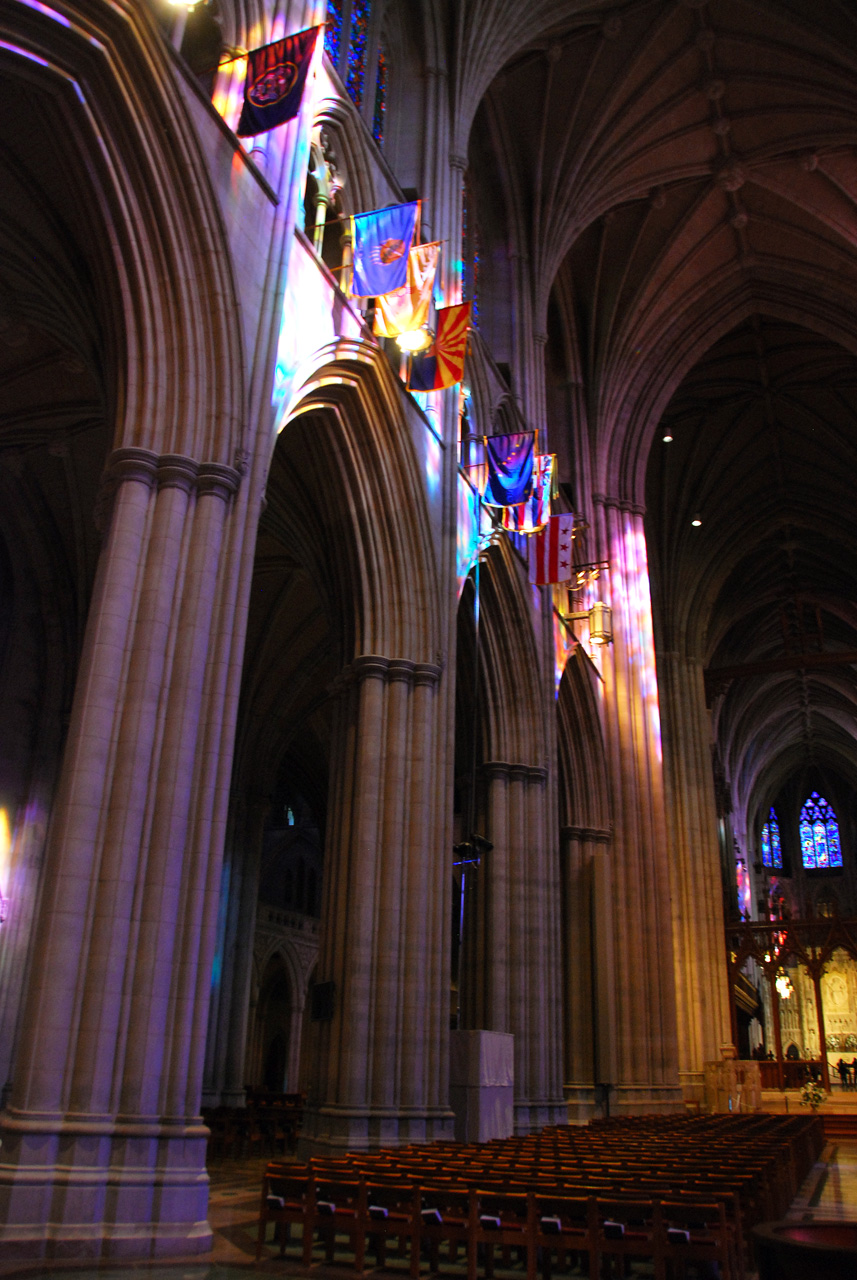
533	515
382	242
510	469
276	75
443	366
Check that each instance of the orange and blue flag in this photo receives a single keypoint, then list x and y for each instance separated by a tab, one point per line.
443	366
510	469
382	242
276	75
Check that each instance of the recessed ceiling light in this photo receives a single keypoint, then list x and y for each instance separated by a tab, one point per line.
667	438
696	522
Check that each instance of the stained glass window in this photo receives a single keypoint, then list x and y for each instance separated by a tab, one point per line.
357	50
333	30
772	854
380	98
819	835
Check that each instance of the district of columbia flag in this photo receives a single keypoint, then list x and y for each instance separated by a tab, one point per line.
444	366
276	75
382	242
551	552
407	308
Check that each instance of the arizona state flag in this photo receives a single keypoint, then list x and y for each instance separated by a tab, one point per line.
276	75
382	242
444	366
533	515
551	552
510	469
407	309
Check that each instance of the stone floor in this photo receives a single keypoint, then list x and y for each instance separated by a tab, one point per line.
828	1194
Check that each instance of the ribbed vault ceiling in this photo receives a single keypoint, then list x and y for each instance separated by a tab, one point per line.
681	179
764	452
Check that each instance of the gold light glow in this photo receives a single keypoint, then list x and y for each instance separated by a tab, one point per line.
414	340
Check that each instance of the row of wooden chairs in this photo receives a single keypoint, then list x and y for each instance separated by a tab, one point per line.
365	1216
255	1130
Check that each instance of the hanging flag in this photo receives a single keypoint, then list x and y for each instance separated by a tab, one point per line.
510	469
533	515
444	365
276	75
407	308
551	552
382	242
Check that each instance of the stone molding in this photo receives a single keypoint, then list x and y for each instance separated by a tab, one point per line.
619	504
595	835
162	471
374	666
533	773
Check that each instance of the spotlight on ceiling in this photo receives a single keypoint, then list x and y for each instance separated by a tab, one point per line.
696	521
667	439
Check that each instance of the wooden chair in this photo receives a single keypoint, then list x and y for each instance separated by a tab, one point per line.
286	1195
449	1216
560	1224
393	1212
336	1208
695	1232
629	1228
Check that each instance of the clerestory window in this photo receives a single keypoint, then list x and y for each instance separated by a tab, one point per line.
772	853
819	835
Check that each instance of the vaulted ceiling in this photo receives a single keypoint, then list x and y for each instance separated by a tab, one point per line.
681	178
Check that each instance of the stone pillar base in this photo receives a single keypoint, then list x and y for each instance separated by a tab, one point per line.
333	1130
99	1189
693	1088
731	1085
482	1085
646	1099
582	1103
531	1117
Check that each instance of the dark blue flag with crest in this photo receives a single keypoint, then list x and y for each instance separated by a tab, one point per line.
510	469
382	242
276	75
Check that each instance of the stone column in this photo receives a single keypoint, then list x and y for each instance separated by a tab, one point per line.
702	987
588	976
102	1149
515	945
226	1043
639	879
381	1075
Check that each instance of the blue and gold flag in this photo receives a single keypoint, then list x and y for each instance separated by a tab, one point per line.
382	242
510	469
276	75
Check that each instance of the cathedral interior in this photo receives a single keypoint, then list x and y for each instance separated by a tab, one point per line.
304	786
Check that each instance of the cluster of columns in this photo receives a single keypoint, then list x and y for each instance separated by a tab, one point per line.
511	963
381	1072
100	1130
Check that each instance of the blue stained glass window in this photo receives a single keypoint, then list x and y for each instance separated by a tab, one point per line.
776	847
333	30
766	847
380	98
819	835
772	853
357	51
